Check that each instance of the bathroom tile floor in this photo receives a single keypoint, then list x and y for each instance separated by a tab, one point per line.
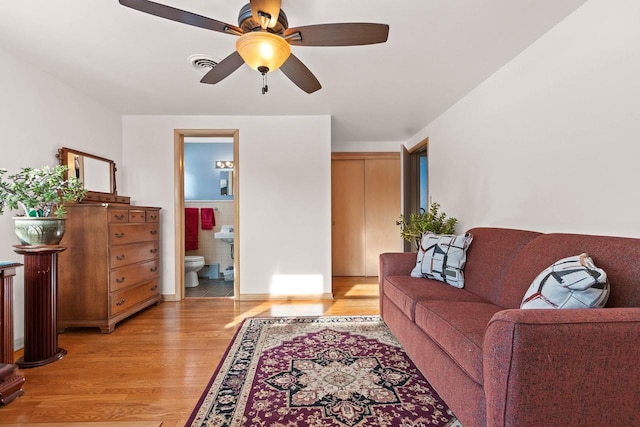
210	288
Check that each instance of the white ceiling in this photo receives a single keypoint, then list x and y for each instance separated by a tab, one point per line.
134	63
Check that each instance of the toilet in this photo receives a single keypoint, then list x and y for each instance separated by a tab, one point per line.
192	264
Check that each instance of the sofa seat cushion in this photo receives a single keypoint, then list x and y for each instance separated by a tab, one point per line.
405	291
458	327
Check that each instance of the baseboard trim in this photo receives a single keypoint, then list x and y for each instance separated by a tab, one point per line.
269	297
18	343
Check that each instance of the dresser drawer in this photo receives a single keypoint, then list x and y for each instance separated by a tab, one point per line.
118	215
99	197
122	234
136	215
121	255
131	274
123	199
122	300
152	216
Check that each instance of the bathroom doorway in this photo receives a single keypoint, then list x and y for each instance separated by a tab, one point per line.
206	195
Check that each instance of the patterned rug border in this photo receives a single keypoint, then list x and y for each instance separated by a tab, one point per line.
260	322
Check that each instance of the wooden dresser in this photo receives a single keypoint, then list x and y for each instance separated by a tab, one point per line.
111	268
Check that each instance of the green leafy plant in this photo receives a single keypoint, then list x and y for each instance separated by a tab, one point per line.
435	221
39	192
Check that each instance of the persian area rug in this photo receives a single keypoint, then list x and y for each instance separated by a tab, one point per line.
318	371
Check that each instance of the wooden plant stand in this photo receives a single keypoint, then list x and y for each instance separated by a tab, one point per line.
10	381
40	305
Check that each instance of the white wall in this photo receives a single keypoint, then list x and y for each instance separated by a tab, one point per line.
551	141
372	146
38	115
285	194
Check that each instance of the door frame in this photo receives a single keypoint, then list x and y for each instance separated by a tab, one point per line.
178	171
410	185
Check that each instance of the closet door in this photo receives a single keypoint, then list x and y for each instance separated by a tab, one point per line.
382	209
347	212
365	204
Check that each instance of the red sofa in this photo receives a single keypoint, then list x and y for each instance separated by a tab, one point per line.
497	365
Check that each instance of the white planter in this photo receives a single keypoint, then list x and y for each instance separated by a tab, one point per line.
36	231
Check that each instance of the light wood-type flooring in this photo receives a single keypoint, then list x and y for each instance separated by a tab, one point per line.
153	368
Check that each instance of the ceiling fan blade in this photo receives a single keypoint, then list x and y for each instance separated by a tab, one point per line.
268	7
225	67
182	16
347	34
299	74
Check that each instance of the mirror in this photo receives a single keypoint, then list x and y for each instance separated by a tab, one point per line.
97	173
226	183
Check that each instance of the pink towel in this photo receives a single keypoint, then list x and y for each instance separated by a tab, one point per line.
207	218
190	229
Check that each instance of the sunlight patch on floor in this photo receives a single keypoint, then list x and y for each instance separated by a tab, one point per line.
297	310
252	312
296	285
363	290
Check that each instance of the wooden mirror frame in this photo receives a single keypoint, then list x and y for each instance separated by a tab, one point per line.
92	195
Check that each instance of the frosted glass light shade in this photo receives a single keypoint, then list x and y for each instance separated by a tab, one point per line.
262	49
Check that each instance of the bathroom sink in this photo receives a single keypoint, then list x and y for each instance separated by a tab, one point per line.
225	234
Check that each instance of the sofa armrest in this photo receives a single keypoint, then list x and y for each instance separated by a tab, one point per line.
393	264
396	264
562	367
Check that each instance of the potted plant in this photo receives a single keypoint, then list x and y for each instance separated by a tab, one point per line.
434	221
40	194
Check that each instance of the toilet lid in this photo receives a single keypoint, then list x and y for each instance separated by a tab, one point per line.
193	258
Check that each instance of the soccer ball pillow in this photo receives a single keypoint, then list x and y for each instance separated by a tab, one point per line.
573	282
442	257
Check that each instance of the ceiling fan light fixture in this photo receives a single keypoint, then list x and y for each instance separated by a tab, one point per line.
264	19
261	49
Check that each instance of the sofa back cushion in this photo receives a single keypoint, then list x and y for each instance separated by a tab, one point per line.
489	258
618	256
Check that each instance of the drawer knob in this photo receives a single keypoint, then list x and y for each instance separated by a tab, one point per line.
120	280
154	232
119	235
153	269
119	217
119	303
154	288
120	257
154	250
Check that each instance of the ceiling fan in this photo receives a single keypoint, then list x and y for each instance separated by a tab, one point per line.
265	39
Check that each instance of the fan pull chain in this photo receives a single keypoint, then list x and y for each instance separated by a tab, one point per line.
264	70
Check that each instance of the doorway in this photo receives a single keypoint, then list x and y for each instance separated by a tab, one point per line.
179	199
415	182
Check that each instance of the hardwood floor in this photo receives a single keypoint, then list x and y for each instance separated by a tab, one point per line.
153	368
